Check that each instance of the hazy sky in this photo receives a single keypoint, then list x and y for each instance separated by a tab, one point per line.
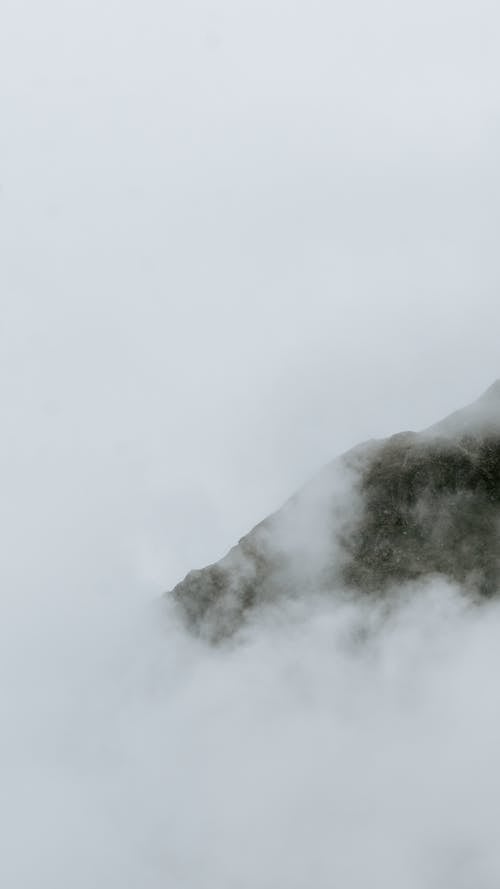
235	239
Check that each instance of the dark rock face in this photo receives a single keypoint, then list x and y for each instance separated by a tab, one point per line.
429	507
386	513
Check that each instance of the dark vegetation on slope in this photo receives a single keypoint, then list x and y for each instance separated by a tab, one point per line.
429	507
426	503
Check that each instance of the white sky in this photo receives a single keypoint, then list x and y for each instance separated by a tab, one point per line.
235	239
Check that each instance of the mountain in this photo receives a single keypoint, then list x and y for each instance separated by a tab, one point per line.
386	513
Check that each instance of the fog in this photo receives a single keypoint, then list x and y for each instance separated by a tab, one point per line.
333	742
235	240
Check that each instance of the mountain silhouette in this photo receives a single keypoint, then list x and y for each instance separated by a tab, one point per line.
386	513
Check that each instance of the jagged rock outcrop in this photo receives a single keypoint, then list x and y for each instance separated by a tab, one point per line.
385	513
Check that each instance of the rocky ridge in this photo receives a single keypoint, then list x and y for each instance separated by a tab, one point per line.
386	513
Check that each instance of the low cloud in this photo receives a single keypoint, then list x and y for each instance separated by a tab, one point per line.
335	741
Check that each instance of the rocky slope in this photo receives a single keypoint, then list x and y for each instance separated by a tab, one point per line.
385	513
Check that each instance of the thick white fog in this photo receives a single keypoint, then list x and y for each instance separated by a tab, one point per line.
236	238
334	743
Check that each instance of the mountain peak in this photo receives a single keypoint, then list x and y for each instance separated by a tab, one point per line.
479	418
385	514
492	392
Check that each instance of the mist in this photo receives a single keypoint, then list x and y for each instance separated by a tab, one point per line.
235	240
337	741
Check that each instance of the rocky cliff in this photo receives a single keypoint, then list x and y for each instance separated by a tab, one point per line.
383	514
